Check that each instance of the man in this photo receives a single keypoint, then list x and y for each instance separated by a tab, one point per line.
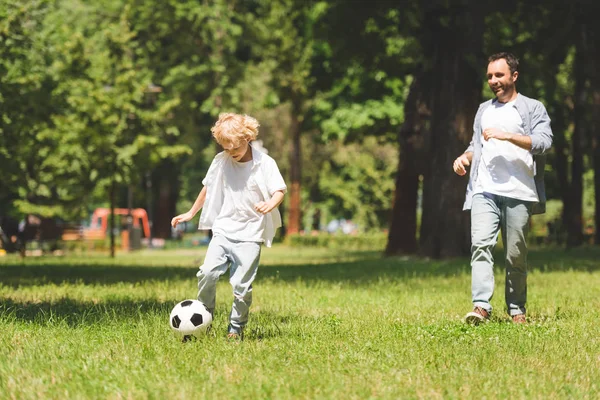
506	185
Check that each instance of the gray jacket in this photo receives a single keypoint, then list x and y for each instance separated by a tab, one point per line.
537	125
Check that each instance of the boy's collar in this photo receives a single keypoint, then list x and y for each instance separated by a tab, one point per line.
256	154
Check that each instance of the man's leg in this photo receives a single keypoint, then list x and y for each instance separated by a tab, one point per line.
515	227
485	224
215	264
244	265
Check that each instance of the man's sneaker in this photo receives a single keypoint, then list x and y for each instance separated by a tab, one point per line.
519	319
477	316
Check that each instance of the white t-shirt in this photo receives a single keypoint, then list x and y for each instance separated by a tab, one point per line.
237	219
505	168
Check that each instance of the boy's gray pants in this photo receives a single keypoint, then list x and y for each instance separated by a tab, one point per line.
242	258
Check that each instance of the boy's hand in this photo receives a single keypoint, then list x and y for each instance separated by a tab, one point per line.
263	207
181	218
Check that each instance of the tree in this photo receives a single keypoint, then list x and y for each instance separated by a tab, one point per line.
452	44
286	31
594	53
197	52
27	146
402	237
357	181
372	61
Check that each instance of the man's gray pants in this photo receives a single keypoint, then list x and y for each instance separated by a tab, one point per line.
490	214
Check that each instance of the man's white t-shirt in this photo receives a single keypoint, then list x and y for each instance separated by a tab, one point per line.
505	168
238	220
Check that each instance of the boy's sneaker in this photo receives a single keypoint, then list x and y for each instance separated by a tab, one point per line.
235	334
235	337
477	316
519	319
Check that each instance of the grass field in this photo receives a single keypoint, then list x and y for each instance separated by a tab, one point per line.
324	325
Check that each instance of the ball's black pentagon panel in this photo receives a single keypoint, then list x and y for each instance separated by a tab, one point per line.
176	321
196	319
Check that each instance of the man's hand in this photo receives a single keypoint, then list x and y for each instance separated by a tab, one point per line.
460	163
523	141
181	218
495	133
263	207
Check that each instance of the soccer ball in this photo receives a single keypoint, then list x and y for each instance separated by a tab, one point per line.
190	318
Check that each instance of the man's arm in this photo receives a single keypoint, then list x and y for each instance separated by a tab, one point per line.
540	140
461	162
541	131
523	141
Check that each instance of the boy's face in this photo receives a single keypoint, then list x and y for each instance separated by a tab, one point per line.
240	152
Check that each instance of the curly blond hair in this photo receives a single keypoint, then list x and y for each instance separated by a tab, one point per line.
234	128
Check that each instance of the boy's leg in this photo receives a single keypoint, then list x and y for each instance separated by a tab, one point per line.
244	265
515	227
215	264
485	224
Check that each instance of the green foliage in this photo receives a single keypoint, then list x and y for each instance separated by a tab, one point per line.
358	181
97	120
364	241
198	53
352	120
98	92
24	100
286	30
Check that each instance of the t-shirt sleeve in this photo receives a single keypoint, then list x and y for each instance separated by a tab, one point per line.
275	181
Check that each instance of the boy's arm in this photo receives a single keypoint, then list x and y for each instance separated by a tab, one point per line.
198	204
265	207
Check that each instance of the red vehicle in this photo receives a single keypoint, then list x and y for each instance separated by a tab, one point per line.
100	219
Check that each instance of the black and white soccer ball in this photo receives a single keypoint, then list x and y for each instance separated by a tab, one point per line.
190	318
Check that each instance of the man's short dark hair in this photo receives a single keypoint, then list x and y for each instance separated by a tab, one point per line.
511	60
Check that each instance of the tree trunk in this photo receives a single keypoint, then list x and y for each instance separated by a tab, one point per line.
594	65
573	210
294	216
561	162
596	156
455	34
112	191
166	200
402	238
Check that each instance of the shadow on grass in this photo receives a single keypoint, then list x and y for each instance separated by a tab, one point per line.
366	268
75	313
30	275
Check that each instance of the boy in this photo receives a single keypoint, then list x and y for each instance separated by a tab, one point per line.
239	200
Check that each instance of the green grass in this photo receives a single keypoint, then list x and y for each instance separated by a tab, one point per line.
324	324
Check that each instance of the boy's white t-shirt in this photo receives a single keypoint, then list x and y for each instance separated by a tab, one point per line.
237	219
505	168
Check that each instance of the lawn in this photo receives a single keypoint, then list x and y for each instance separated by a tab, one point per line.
325	324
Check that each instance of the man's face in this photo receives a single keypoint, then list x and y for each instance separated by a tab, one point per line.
500	80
